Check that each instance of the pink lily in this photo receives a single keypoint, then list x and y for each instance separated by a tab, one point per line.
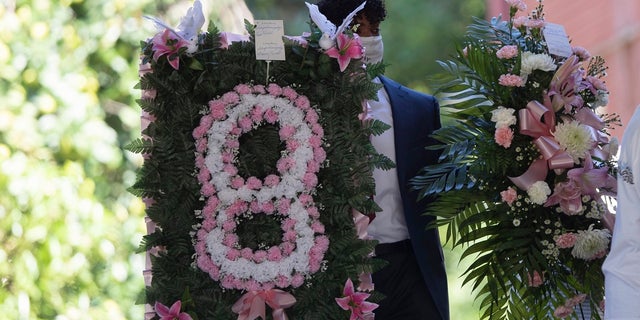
564	87
172	313
169	44
347	48
589	180
569	195
355	301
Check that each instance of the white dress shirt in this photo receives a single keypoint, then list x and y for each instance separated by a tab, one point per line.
389	225
622	266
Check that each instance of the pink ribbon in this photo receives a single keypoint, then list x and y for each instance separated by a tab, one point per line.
538	122
252	304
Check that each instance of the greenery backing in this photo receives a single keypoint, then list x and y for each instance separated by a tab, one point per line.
167	176
472	171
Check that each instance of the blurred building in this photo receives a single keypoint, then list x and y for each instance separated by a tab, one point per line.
610	29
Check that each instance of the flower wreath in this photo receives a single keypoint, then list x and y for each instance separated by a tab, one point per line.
287	195
245	190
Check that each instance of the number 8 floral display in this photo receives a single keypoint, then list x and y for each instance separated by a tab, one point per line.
287	195
255	176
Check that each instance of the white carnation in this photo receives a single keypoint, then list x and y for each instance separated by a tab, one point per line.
538	192
590	243
575	138
503	117
535	61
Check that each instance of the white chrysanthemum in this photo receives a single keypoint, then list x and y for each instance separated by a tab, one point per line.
575	138
503	117
590	243
538	192
535	61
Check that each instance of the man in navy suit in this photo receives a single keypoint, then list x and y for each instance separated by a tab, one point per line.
414	282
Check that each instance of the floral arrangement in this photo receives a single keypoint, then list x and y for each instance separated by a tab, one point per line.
254	188
525	169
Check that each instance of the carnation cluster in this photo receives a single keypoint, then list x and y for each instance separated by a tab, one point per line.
287	196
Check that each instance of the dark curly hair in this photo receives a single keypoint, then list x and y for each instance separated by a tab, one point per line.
337	10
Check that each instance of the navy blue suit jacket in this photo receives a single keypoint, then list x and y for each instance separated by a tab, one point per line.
415	116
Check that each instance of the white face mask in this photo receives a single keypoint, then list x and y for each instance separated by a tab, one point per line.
373	49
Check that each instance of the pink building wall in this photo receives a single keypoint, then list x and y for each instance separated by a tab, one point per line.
608	28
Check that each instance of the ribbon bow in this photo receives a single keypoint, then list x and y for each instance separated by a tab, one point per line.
538	122
252	304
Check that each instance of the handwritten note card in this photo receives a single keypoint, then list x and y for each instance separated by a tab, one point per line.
269	44
557	40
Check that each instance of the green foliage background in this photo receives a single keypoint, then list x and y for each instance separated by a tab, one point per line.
68	227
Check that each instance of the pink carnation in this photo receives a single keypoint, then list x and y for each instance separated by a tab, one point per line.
201	130
235	130
535	280
274	89
259	256
204	175
283	206
233	254
507	52
534	24
504	136
271	116
207	190
520	21
313	212
246	253
284	164
201	145
288	224
227	157
312	116
509	196
562	312
317	129
274	254
243	89
511	80
310	180
319	154
317	227
297	280
232	143
199	161
271	180
259	89
292	145
315	141
305	199
282	281
255	207
268	207
254	183
289	93
290	236
256	113
517	4
245	123
230	239
287	248
287	132
230	98
237	182
313	166
302	102
229	225
230	169
575	300
566	240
